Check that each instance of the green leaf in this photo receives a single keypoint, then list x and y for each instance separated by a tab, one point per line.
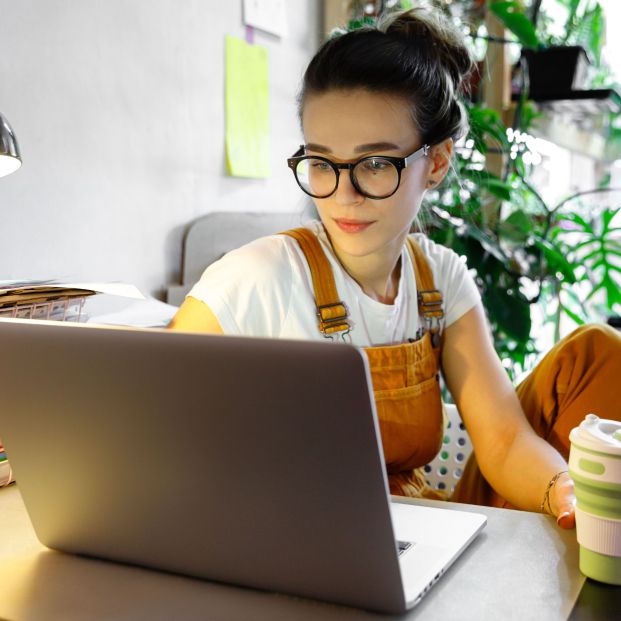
556	259
478	175
485	122
608	215
495	185
590	32
604	182
585	244
573	316
354	24
488	243
611	288
510	311
613	292
517	227
579	220
499	189
575	298
511	14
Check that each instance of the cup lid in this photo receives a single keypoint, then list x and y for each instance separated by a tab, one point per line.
598	434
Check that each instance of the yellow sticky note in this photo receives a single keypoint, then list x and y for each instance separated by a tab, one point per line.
247	110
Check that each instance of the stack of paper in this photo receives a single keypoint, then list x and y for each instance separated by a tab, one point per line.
14	293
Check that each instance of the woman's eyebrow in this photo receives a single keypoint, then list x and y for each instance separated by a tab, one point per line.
311	146
376	146
361	148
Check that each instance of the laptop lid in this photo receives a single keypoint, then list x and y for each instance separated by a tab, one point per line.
242	460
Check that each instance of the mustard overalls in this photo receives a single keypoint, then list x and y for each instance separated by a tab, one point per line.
578	375
405	376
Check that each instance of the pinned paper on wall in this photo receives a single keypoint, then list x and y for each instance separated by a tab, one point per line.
267	15
247	109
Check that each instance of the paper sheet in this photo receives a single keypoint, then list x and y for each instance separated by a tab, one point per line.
247	109
146	313
267	15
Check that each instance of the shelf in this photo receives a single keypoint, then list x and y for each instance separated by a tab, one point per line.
578	120
582	103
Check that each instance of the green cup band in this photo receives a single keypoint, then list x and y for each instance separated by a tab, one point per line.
600	567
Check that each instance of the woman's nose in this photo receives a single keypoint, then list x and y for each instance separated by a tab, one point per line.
346	193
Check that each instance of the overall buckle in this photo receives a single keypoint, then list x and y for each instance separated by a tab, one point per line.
430	306
333	319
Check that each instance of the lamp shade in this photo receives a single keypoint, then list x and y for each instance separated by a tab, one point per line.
10	159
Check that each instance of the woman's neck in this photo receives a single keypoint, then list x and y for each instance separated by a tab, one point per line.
377	274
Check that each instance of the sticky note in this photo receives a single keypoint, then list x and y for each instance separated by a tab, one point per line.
247	109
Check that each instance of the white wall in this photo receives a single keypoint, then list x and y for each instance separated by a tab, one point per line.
118	108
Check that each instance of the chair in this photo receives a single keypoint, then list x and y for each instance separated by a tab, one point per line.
444	472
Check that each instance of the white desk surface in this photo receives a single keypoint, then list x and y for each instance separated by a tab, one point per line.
521	567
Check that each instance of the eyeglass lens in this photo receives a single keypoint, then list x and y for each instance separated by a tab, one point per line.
376	177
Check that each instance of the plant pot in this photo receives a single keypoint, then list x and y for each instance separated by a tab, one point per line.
556	70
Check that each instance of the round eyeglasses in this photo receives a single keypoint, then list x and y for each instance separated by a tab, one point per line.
374	176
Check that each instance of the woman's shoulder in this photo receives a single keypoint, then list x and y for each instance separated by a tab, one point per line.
451	277
436	253
270	248
264	255
259	276
270	259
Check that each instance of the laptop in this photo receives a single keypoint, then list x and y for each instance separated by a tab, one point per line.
241	460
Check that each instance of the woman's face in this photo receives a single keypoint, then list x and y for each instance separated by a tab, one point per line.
345	126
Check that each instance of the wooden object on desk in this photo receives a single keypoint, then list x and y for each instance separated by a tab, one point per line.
521	567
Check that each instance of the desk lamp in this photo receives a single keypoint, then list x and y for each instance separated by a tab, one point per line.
10	159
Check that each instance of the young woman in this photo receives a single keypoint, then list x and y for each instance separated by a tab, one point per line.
380	114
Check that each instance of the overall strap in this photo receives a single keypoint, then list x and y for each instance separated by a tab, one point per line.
430	306
331	312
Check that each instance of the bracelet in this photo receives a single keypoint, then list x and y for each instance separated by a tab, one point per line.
546	494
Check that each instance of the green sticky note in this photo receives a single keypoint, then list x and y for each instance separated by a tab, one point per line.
247	110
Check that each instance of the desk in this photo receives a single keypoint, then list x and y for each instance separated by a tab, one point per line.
521	567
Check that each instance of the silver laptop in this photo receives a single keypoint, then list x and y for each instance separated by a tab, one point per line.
242	460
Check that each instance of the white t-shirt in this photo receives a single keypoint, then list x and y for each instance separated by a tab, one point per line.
265	289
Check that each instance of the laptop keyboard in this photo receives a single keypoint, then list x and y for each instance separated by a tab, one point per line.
404	546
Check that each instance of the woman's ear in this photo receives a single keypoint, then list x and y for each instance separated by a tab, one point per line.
440	161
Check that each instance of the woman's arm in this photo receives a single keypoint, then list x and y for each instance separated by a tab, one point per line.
512	457
195	316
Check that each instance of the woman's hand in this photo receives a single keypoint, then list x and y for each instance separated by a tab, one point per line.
563	501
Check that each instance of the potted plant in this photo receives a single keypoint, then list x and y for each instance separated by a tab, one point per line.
557	64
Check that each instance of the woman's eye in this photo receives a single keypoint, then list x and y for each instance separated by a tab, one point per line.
376	165
320	166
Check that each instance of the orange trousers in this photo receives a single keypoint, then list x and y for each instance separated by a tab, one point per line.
581	374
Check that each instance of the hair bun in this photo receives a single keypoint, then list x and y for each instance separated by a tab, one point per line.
417	55
446	47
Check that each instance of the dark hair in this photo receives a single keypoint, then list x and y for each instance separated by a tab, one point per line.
417	55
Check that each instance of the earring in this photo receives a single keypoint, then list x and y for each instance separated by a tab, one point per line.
430	183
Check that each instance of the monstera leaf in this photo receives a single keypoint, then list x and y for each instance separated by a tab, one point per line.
597	247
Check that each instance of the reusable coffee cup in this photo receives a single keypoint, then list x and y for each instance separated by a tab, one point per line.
595	467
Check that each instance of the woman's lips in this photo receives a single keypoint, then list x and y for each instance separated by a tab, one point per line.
352	226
